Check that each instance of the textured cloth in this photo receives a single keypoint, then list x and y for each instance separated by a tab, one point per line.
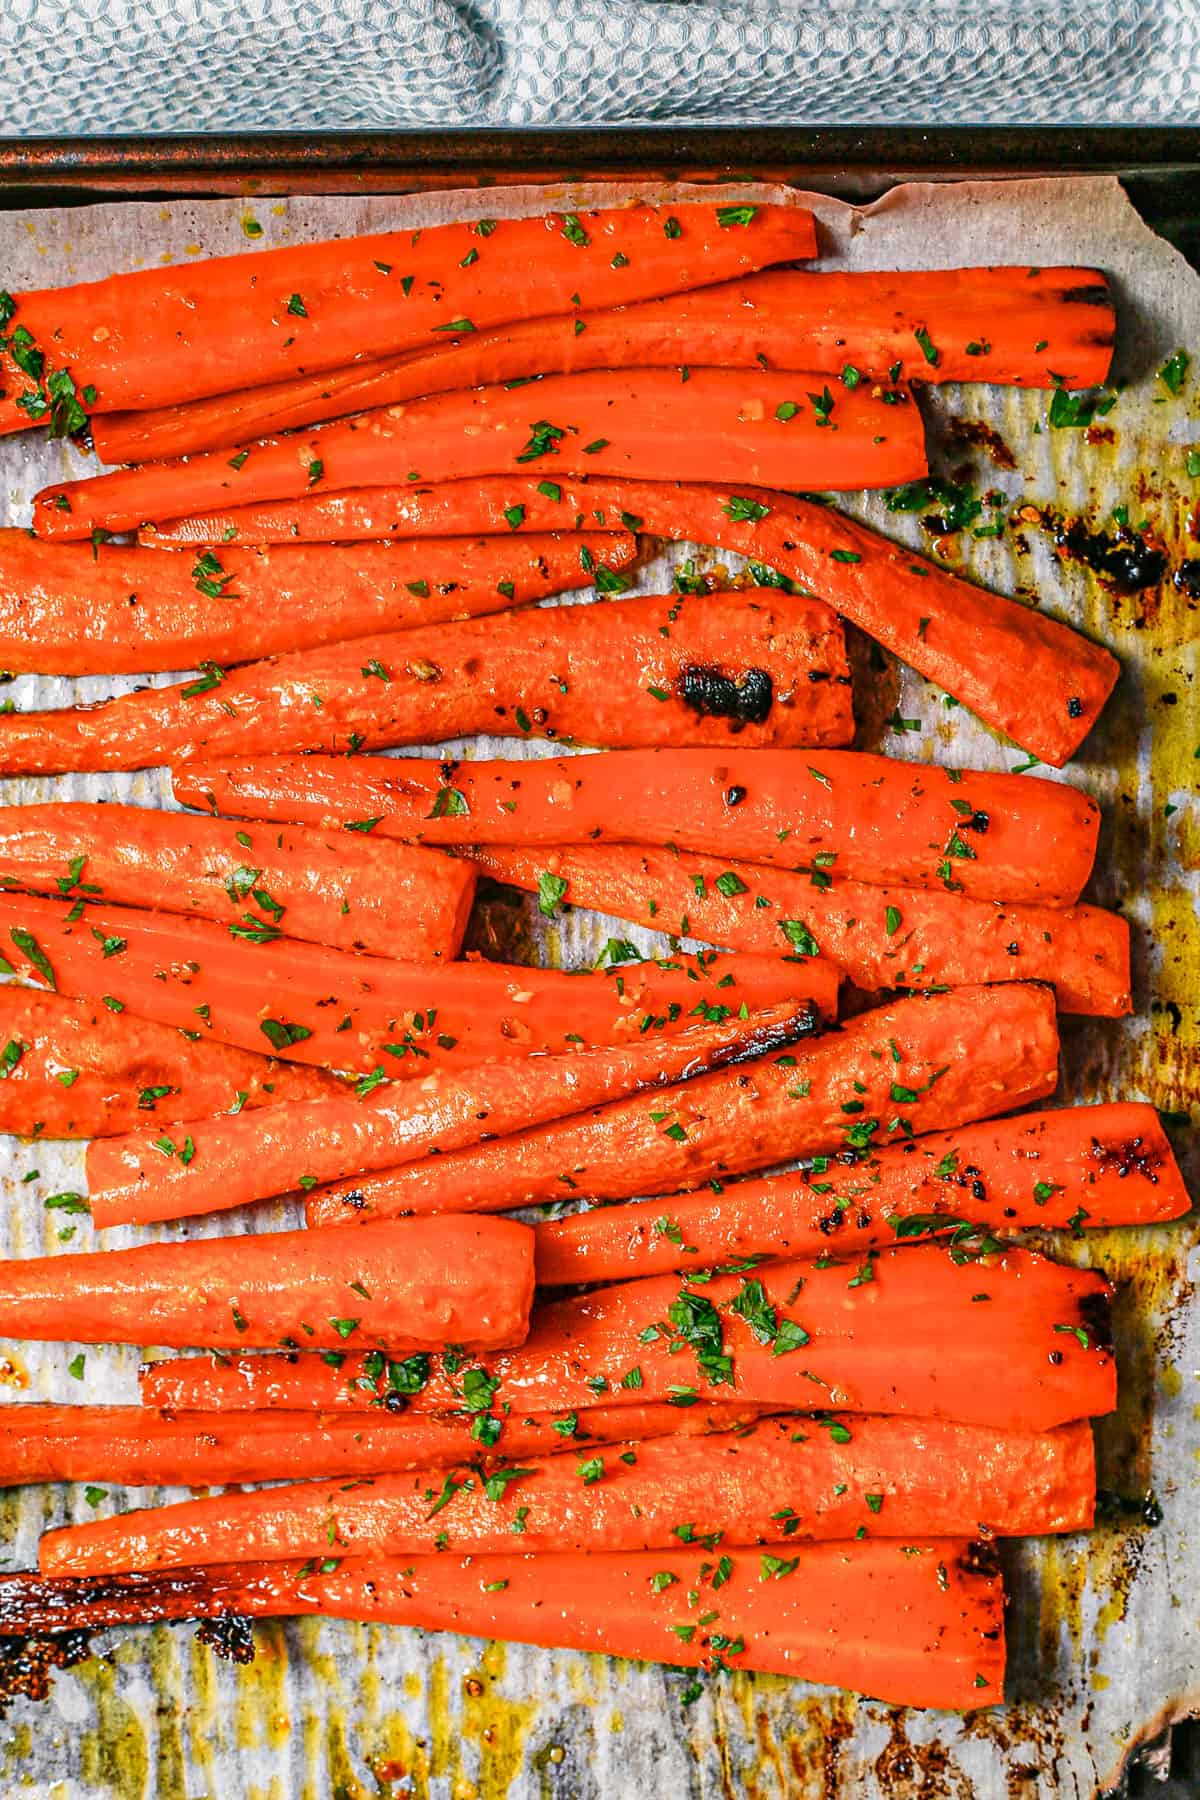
109	66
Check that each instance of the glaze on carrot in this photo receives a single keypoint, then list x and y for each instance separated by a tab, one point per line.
349	890
1094	1166
767	670
67	609
921	1064
846	813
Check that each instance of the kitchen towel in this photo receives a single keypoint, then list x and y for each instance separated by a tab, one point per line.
112	66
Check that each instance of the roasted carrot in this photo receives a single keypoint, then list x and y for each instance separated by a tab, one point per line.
1086	1165
759	427
914	1624
158	336
349	891
79	1068
230	1162
1021	671
856	816
407	1018
139	1448
770	671
879	937
67	609
1027	327
409	1288
888	1476
920	1064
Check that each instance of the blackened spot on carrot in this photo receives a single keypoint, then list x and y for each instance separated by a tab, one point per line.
1074	707
713	694
230	1636
1096	1318
1129	1156
1096	294
734	796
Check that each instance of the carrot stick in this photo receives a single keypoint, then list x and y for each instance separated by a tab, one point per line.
407	1018
234	1161
135	1447
1021	671
856	816
71	610
941	1479
759	427
772	671
914	1624
977	324
921	1064
411	1287
349	891
1086	1165
78	1068
163	335
879	937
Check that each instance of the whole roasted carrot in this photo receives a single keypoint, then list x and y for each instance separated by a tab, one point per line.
759	427
1086	1165
409	1288
229	1162
349	891
918	1065
886	1476
1027	327
158	336
70	609
135	1447
80	1068
860	817
770	671
914	1624
1021	671
880	937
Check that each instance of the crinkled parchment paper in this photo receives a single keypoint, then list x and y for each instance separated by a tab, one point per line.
1104	1629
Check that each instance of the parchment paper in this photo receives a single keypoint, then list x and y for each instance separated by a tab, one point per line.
1104	1629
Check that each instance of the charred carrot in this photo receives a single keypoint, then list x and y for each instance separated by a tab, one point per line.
1028	327
879	937
73	610
1021	671
914	1624
365	1014
882	1475
770	671
158	336
1086	1165
79	1068
846	814
139	1448
759	427
920	1064
229	1162
410	1288
349	891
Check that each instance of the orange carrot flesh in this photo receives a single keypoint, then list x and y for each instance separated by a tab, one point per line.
80	1069
915	1624
759	427
847	814
359	1014
1022	672
135	1447
771	671
979	324
347	890
1086	1165
411	1288
879	937
159	336
892	1478
71	610
230	1162
922	1064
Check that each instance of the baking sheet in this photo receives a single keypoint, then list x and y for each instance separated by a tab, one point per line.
1104	1630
